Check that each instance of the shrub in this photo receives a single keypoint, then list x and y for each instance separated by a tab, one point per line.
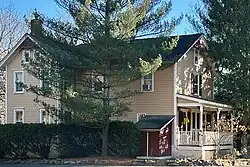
15	139
124	139
79	141
43	138
71	140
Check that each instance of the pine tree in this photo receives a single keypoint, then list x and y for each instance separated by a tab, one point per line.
91	62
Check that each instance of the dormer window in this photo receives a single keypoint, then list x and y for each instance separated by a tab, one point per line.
26	56
147	83
196	56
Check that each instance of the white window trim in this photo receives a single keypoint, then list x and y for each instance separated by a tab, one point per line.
41	116
23	56
153	83
198	56
198	84
14	81
138	116
18	109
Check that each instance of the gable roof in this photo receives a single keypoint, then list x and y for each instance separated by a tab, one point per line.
185	43
11	54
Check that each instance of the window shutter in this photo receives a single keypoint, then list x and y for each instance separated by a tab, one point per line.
192	83
200	85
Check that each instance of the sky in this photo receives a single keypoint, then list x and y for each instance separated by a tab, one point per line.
49	8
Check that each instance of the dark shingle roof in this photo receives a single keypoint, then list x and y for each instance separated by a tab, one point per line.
184	43
153	121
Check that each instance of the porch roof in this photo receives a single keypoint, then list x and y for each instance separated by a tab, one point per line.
154	121
199	101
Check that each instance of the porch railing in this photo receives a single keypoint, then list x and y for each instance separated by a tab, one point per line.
195	137
188	137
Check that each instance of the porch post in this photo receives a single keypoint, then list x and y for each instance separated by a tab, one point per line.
147	143
191	121
218	118
232	122
205	120
201	125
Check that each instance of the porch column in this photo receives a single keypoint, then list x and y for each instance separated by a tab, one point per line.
232	122
218	118
147	143
205	120
201	125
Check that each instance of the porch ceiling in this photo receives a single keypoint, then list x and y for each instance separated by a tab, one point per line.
188	101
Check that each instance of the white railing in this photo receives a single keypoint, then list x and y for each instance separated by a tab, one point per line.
188	137
195	137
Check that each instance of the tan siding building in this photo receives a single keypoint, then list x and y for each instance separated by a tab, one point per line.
182	91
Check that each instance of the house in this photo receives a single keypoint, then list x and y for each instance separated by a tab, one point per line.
175	113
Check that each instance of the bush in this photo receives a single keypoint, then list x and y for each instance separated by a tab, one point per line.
15	138
43	138
124	139
18	140
79	141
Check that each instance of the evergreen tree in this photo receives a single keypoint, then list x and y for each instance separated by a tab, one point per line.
90	63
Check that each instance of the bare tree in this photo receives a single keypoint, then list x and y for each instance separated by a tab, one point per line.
12	27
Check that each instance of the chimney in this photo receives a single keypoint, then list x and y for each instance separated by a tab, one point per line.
36	25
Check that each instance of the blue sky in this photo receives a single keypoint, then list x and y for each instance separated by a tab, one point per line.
49	8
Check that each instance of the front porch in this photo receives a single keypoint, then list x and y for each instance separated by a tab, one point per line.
199	124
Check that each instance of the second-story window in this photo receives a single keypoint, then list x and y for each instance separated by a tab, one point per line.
196	84
97	83
45	85
18	82
147	83
196	56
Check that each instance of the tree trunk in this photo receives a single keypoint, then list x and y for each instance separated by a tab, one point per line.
105	139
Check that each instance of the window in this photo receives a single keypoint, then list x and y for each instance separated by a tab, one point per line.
44	116
18	116
26	56
45	85
147	83
196	56
97	83
140	116
18	82
196	84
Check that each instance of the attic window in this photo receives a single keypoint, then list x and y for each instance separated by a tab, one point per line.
196	56
26	56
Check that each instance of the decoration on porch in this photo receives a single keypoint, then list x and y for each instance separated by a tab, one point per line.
186	120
